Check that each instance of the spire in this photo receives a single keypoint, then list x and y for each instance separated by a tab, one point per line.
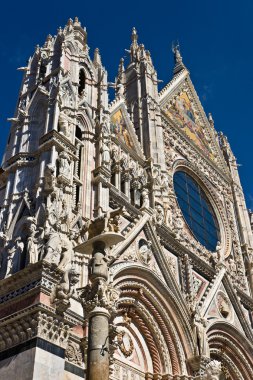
121	68
178	60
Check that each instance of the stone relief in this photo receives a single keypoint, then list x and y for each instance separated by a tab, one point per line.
144	251
125	343
73	354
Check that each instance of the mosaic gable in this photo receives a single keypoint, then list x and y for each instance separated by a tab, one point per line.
119	128
182	113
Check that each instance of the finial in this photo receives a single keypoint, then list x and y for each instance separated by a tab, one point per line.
70	21
77	22
97	58
121	66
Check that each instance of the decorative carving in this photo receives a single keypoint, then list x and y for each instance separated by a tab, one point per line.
213	370
99	294
178	225
38	324
125	343
52	329
73	354
108	222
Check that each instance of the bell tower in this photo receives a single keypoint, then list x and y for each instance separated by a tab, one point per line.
141	92
46	198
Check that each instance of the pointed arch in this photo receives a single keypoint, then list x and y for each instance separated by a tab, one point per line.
84	135
38	115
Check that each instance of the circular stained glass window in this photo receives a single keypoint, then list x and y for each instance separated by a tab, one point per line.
197	210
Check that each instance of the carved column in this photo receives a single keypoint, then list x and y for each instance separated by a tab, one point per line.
99	297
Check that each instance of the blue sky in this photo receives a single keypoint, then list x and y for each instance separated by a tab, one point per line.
215	39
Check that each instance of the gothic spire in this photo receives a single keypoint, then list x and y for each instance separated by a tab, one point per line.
134	46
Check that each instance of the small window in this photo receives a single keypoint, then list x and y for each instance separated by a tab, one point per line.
81	86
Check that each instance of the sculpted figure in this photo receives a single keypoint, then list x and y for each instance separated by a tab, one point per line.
106	158
232	267
14	256
99	265
164	182
213	370
32	248
64	164
64	125
159	214
3	254
219	252
67	251
105	126
49	180
65	289
199	330
145	199
53	246
156	177
145	251
179	225
168	216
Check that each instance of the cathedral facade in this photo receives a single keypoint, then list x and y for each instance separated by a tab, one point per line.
126	247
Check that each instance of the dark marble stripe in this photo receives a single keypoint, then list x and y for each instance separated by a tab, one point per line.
75	370
36	342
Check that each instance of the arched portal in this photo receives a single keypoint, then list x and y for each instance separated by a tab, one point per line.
156	334
233	350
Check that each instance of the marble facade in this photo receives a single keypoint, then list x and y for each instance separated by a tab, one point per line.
101	275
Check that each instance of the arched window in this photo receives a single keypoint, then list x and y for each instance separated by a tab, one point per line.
78	133
197	210
82	78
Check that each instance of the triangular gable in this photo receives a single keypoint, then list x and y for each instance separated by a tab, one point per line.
222	308
139	252
123	130
159	261
181	105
